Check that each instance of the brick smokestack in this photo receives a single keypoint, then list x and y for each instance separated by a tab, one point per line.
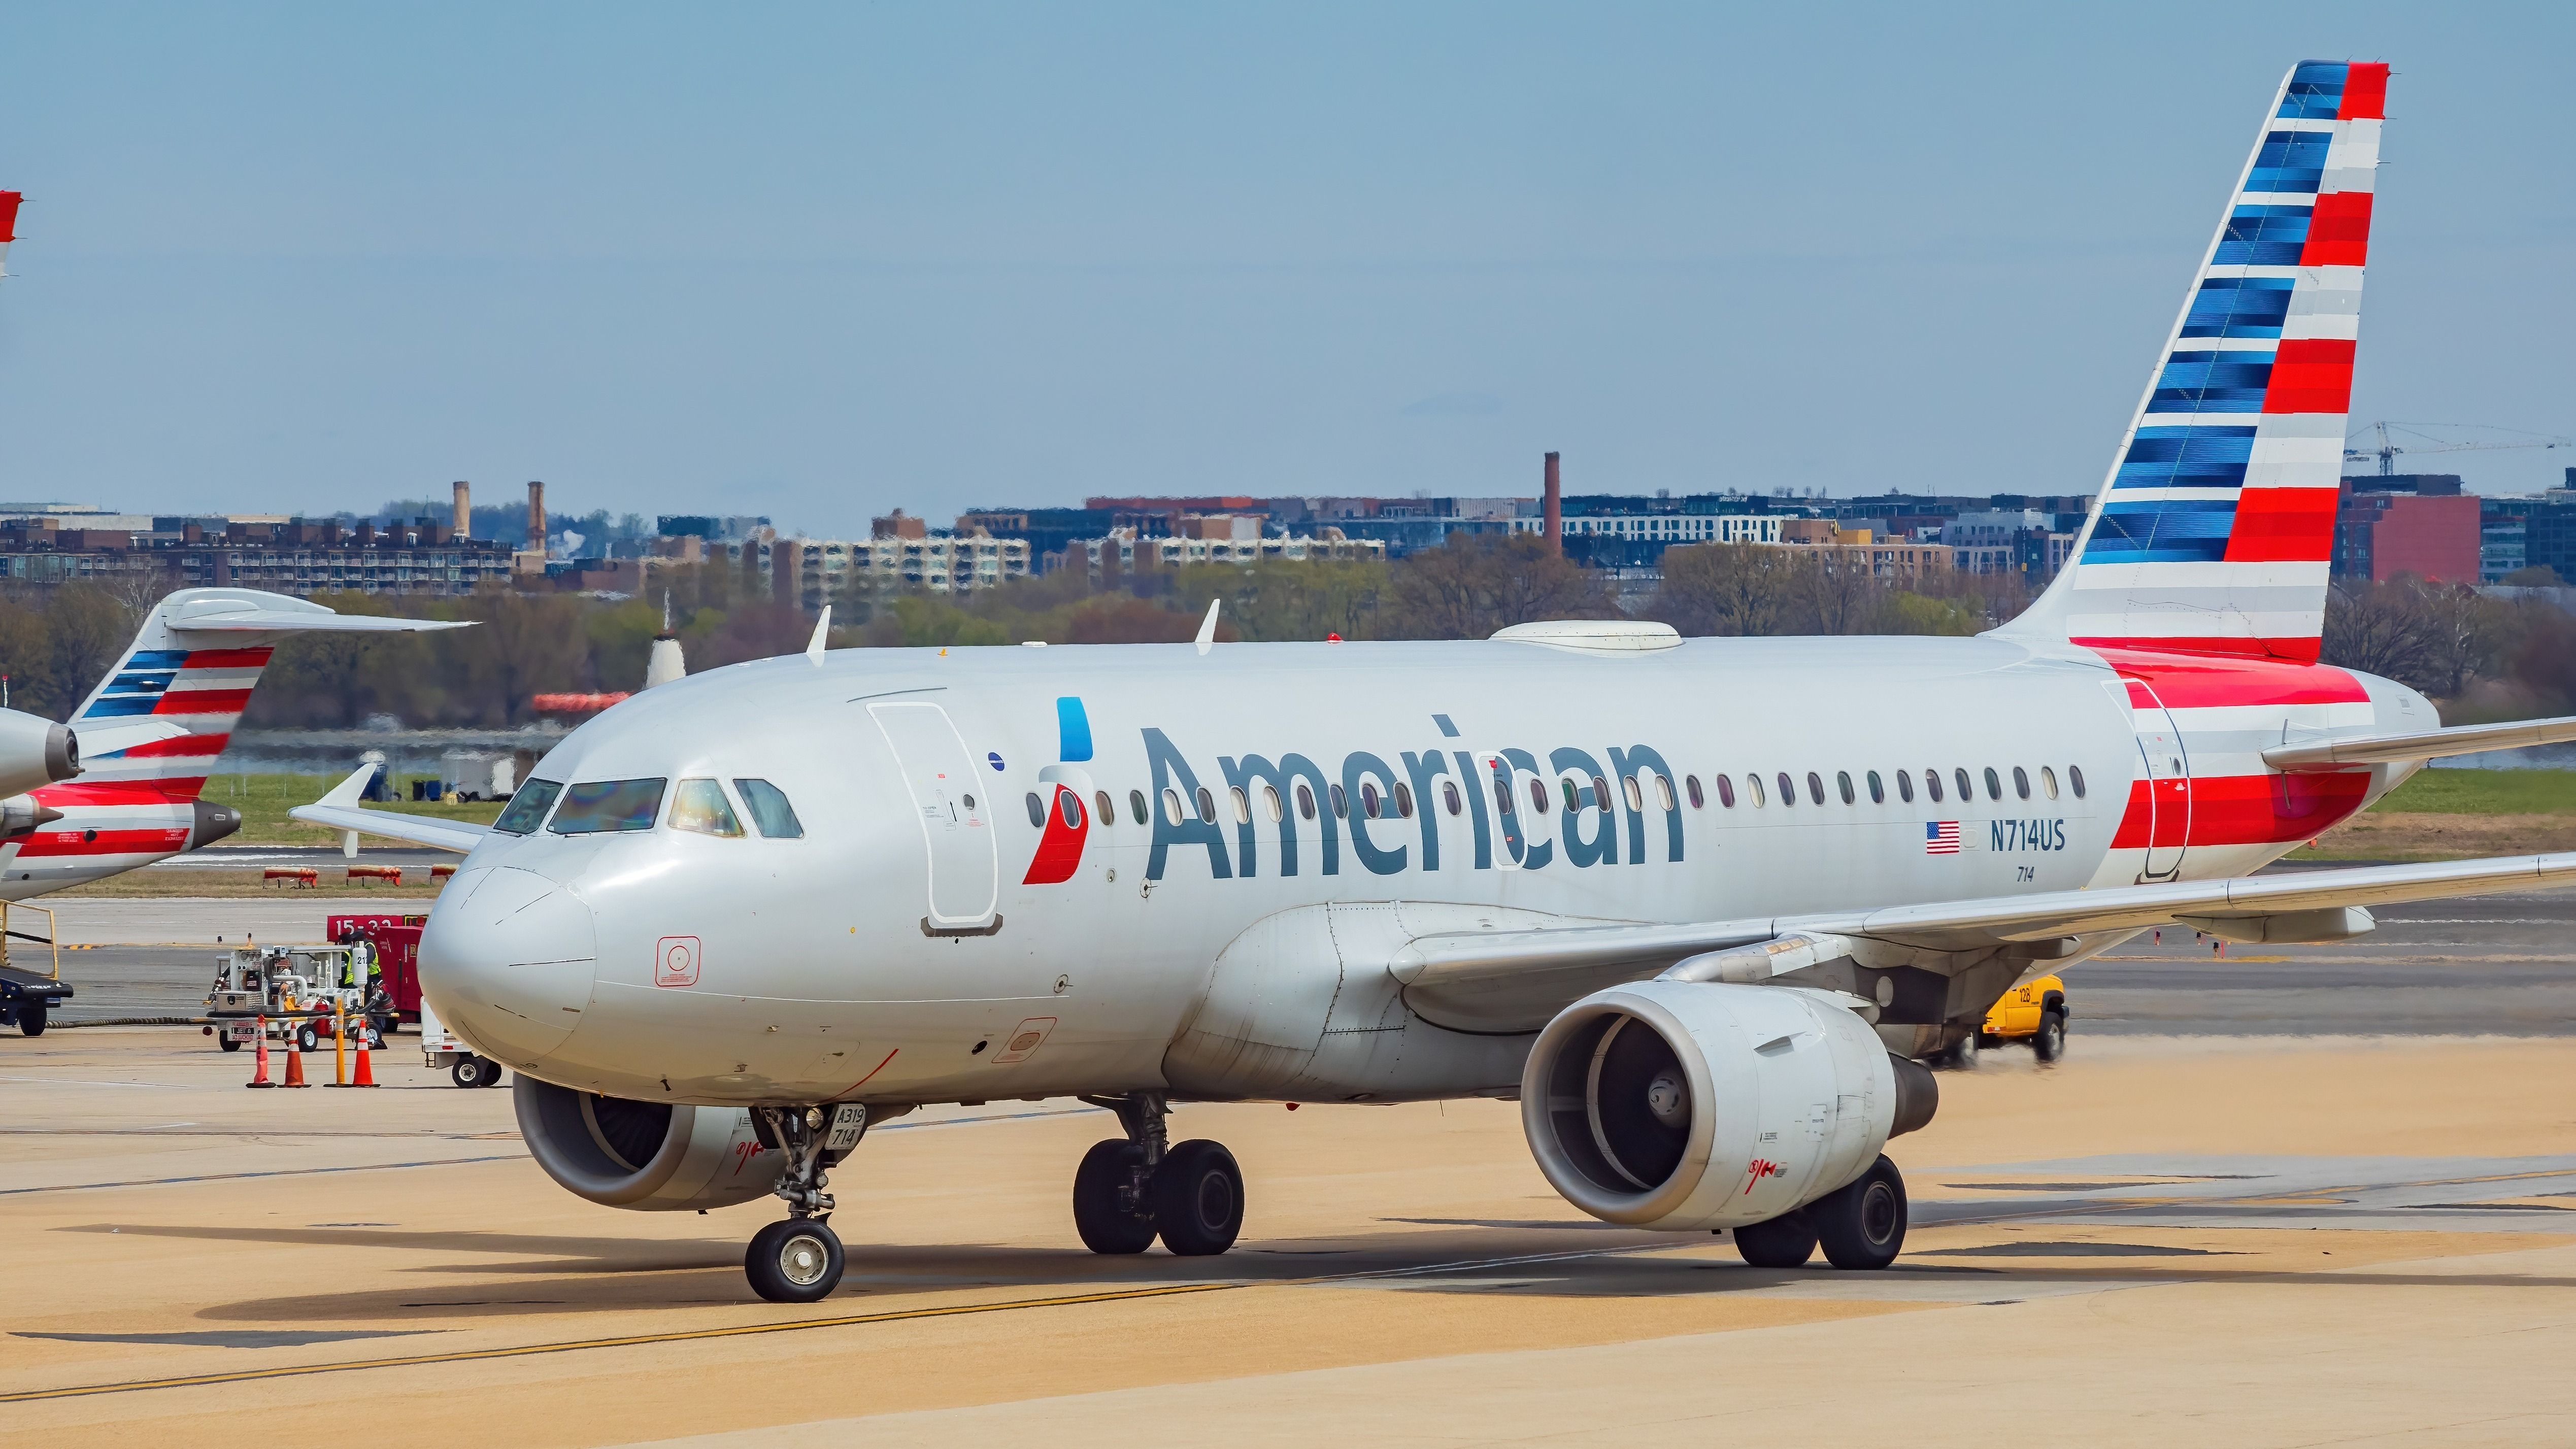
1552	512
464	510
537	517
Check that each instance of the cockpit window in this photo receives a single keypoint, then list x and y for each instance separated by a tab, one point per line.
769	810
599	806
699	805
528	808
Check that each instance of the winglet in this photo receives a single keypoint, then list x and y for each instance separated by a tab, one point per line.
1207	626
822	631
348	791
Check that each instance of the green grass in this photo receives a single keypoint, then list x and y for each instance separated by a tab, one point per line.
2485	792
263	801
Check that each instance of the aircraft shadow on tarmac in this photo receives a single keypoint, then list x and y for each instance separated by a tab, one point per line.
589	1274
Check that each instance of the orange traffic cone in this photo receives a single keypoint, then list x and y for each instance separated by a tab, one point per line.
294	1066
366	1074
259	1078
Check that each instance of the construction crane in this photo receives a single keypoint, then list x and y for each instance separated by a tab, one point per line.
2387	450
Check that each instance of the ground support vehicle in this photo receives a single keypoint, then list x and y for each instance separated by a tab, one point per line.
396	942
28	997
297	990
440	1048
2033	1012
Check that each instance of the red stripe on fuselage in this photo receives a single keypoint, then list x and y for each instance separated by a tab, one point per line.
2240	809
94	793
180	747
162	841
2188	681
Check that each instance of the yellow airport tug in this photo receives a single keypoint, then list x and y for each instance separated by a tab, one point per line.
2033	1012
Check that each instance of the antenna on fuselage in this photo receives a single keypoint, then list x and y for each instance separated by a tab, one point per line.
822	629
1207	626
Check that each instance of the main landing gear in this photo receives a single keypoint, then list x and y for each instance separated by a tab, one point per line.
1860	1225
800	1260
1130	1191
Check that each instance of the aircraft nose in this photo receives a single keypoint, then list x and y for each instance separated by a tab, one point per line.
507	960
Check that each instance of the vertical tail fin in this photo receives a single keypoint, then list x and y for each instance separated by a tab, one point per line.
192	665
2215	529
8	226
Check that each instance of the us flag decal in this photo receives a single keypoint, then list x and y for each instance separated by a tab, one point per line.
1941	837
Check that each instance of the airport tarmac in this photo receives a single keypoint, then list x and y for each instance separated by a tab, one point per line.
2298	1236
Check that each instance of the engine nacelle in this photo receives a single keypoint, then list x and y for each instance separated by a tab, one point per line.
34	752
649	1156
1685	1105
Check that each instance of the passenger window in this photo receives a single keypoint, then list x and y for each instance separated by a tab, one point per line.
1538	796
1403	800
1753	786
700	806
1207	806
1449	793
1967	787
1171	806
1601	793
2075	779
1271	806
1932	785
603	807
1069	805
1037	811
528	808
1725	790
770	813
1503	795
2048	782
1815	788
2021	782
1664	790
1788	791
1877	791
1842	782
1305	801
1341	804
1136	805
1368	798
1636	797
1103	809
1994	784
1573	792
1690	783
1905	786
1242	805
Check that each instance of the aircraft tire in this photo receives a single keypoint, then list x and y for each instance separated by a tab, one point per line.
1963	1053
1786	1241
2049	1042
1096	1215
1861	1225
494	1074
1197	1194
798	1260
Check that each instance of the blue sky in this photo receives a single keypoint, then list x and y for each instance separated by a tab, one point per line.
818	263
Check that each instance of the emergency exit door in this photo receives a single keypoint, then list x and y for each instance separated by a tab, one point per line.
952	805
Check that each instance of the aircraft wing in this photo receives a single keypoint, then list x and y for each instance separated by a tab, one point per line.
340	810
1524	968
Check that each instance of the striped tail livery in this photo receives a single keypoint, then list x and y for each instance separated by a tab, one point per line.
2215	529
150	732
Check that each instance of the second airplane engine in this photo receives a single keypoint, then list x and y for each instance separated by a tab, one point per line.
649	1156
1688	1105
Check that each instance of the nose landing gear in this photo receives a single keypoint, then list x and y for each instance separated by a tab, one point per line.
1128	1192
800	1260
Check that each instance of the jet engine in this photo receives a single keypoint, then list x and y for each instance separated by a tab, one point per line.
649	1156
34	752
1686	1105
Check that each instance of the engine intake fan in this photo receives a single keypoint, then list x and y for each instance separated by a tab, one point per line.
1688	1105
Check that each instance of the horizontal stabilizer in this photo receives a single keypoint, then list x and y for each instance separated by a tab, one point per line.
261	612
2423	745
100	740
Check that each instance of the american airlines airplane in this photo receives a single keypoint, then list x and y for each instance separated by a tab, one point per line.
120	786
1695	904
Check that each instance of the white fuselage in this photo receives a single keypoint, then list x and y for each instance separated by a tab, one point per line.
897	953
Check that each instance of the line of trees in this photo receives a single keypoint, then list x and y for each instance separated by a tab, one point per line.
2489	658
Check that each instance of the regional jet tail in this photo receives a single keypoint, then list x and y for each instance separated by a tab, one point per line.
1695	904
146	737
